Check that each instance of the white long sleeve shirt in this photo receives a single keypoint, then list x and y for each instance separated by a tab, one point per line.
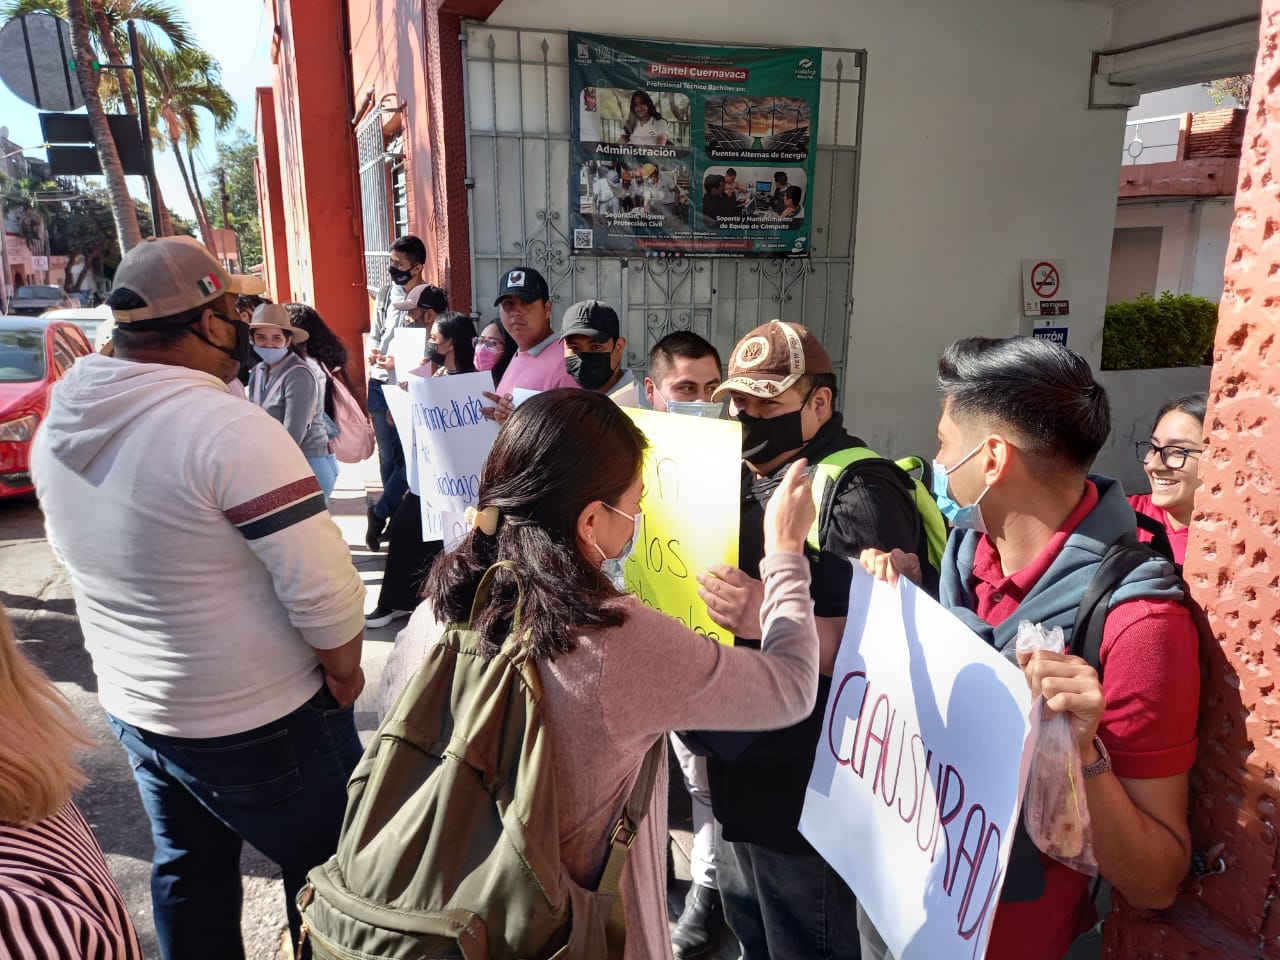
205	567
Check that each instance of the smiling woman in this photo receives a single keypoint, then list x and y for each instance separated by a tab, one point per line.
1171	461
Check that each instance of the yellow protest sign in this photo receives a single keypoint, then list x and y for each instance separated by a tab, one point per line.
691	504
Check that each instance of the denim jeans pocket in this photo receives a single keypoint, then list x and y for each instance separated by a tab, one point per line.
327	704
255	773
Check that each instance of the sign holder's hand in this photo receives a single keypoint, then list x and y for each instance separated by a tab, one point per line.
501	410
733	599
1069	685
385	362
887	566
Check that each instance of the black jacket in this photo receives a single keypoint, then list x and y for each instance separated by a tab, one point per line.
758	794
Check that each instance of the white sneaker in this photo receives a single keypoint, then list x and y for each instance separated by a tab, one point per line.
380	617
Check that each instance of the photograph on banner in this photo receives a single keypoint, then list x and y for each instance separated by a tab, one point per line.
919	772
453	437
734	195
645	194
690	507
654	128
636	117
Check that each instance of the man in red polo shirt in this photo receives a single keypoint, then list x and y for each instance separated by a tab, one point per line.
1022	420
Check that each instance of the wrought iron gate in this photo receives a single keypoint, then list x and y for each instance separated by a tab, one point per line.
517	113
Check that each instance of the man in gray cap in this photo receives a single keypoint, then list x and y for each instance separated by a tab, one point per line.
593	350
216	596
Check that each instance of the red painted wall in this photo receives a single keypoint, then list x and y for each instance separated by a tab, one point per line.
311	84
1233	567
275	247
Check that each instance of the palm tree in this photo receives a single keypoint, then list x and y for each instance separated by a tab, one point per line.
180	84
106	25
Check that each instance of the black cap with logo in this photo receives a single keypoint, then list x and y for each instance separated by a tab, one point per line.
523	282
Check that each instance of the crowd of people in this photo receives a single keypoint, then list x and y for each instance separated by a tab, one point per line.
226	638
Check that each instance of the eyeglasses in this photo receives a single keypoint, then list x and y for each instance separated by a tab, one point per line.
1175	458
486	343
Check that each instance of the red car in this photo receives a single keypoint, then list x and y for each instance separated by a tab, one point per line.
34	354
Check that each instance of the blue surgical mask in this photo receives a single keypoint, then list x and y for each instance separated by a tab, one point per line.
271	354
967	517
611	567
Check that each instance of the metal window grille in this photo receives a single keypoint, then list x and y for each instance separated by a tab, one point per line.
375	210
518	124
399	189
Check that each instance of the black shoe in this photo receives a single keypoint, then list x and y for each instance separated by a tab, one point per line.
698	930
374	531
381	616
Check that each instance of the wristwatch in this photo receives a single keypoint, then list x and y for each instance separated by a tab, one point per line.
1099	766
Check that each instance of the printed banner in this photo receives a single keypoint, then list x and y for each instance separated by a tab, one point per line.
692	482
452	438
919	772
681	150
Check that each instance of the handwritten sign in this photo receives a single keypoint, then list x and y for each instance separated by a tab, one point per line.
692	478
919	771
453	438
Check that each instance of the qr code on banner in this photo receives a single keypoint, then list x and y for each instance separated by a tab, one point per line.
583	238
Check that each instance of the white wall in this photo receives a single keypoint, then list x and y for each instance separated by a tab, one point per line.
1193	247
1135	397
978	151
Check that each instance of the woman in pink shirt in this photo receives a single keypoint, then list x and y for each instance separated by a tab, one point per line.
560	496
1171	461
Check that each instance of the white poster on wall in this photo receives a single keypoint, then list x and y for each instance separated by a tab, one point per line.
453	438
919	772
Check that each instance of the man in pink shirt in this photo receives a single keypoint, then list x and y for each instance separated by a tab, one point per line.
525	304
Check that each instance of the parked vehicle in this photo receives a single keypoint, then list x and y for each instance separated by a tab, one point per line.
88	319
34	299
34	355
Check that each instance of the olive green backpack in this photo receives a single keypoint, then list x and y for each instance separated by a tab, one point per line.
450	842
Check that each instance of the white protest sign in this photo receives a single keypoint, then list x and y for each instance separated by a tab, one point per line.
456	528
401	409
520	394
919	772
408	348
453	438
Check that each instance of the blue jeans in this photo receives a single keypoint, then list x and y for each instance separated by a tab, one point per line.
281	787
390	454
326	470
785	905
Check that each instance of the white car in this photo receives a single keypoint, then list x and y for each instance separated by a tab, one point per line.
94	321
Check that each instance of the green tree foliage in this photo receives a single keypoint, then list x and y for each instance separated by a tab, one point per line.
1146	333
1237	88
236	157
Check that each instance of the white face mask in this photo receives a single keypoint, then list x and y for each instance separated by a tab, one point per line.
271	354
693	408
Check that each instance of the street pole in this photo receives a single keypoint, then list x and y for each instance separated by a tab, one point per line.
144	119
222	185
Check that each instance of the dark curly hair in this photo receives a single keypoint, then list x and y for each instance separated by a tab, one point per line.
321	343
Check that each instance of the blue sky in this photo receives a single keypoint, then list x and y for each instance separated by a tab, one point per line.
237	34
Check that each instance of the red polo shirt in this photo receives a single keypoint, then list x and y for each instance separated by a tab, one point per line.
1151	681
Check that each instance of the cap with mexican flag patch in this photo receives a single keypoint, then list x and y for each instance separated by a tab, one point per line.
174	275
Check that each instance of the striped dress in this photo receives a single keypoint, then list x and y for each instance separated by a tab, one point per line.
57	898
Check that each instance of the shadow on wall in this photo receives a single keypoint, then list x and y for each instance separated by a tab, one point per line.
1135	396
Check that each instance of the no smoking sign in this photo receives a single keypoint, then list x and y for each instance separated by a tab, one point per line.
1044	288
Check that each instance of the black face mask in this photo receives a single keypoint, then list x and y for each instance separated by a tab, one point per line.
399	277
591	371
764	439
242	352
434	355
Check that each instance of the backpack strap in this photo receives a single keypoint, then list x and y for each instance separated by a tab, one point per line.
1159	535
825	481
1120	560
620	840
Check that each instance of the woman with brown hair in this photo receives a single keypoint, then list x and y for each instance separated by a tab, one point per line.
560	496
57	898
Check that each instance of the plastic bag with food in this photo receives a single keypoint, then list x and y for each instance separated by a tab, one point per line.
1054	811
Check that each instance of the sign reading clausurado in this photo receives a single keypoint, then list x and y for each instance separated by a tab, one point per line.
919	771
682	150
692	479
453	438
